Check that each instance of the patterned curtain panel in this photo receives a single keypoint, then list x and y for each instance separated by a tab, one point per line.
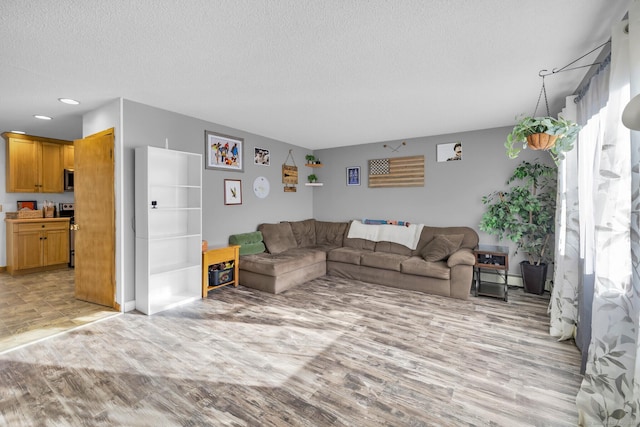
610	391
563	307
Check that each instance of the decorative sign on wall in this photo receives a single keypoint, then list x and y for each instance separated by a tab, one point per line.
289	174
397	172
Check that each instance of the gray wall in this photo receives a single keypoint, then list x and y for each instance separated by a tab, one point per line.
451	196
145	125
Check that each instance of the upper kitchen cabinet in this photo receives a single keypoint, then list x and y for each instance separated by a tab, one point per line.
35	164
67	156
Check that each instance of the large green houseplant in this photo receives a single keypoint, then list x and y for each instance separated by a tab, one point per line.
525	214
543	133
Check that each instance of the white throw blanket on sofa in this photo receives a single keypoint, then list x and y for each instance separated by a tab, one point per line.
407	236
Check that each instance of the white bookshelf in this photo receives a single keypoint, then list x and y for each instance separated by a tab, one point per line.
168	220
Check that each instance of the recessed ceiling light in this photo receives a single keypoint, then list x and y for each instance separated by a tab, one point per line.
21	132
38	116
69	101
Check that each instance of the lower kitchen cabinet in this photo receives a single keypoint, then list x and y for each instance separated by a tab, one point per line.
37	244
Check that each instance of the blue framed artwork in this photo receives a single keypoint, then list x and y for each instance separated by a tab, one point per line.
353	175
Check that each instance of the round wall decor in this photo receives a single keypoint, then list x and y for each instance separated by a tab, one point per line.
261	187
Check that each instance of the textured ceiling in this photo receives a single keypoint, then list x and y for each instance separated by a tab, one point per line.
317	74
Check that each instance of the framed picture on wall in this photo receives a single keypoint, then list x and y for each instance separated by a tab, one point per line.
232	192
27	204
261	157
353	175
449	151
223	152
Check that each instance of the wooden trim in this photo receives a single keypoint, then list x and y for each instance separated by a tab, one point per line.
101	133
25	137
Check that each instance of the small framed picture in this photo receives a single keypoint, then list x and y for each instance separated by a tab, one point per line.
261	157
31	205
232	192
223	152
449	151
353	175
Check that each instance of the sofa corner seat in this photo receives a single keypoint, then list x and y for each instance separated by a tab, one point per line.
299	251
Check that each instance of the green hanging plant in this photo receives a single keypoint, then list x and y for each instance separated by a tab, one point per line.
543	133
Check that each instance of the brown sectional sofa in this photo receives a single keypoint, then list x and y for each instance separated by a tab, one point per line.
299	251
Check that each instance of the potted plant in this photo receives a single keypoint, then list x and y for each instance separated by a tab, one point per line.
312	178
543	133
525	214
310	159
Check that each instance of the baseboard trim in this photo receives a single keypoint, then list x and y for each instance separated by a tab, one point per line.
130	305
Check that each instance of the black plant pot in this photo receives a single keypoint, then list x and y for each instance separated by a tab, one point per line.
533	277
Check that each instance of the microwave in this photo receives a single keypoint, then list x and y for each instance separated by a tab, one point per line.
68	180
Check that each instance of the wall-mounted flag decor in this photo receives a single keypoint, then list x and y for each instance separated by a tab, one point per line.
397	172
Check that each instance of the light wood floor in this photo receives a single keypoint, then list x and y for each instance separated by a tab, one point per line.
331	352
37	306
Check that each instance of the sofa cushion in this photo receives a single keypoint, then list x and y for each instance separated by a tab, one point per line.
304	232
346	255
250	243
281	263
419	267
357	243
382	260
330	233
277	237
441	247
363	244
470	240
392	248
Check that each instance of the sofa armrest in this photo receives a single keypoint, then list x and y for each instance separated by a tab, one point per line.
461	257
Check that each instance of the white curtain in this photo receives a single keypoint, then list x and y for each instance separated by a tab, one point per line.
563	307
610	391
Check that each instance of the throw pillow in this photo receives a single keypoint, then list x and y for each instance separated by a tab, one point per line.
250	243
441	246
277	237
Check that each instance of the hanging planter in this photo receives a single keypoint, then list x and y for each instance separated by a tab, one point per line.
543	133
541	141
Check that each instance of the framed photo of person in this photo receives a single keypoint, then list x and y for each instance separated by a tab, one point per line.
449	151
353	175
261	157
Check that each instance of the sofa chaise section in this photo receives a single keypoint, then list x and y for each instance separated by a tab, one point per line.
296	252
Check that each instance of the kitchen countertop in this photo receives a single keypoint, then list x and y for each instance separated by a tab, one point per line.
23	220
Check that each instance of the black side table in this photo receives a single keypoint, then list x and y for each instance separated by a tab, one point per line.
492	260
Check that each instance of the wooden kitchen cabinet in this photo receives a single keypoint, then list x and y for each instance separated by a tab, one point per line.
37	244
34	164
67	156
